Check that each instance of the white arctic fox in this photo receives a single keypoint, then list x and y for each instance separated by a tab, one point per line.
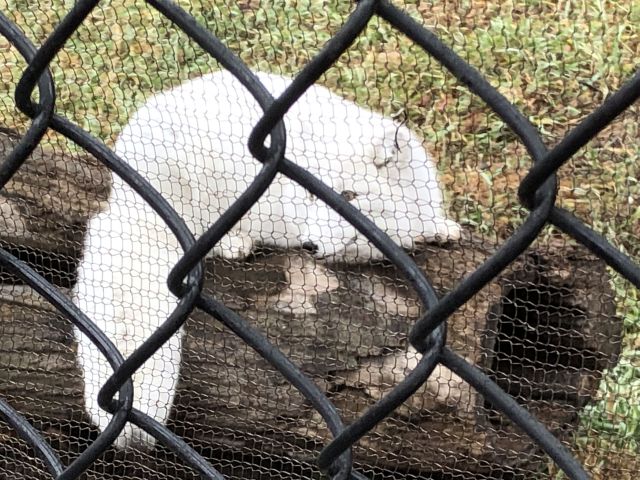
190	143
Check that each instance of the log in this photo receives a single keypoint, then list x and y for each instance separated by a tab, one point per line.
349	331
47	203
544	330
558	331
346	327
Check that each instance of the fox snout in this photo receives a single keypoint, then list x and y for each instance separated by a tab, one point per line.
309	246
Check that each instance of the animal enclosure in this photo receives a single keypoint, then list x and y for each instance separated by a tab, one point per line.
506	353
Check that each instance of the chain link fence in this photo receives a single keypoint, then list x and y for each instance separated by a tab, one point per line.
524	329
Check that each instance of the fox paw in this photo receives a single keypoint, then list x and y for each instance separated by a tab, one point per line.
233	246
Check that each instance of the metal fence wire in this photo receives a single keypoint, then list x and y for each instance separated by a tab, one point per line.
35	96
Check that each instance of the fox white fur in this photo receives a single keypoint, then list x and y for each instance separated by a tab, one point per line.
190	143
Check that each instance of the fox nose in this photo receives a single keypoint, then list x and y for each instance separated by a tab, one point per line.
309	246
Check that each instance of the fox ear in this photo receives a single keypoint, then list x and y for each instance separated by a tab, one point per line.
393	148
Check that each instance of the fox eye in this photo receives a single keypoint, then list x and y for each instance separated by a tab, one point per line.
349	195
391	158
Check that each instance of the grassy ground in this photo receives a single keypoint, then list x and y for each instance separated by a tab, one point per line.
555	59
